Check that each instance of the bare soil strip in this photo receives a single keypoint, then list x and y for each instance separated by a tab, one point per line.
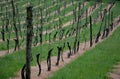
115	73
3	53
45	73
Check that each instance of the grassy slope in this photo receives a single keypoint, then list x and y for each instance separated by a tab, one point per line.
3	44
17	59
12	63
94	64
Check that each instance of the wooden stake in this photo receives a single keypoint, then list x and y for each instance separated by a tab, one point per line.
29	42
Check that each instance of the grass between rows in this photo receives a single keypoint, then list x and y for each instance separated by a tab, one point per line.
12	63
94	64
3	44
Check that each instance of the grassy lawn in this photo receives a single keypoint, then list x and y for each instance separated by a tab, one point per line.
94	64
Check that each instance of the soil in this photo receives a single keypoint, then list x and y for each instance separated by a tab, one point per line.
115	73
3	53
45	73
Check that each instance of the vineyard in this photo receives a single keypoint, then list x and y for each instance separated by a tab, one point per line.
59	39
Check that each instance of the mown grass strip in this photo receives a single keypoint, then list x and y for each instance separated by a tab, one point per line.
94	64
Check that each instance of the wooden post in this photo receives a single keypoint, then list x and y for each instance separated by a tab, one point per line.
86	18
29	41
90	31
41	28
18	18
14	23
7	20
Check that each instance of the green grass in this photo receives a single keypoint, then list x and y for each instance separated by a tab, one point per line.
68	9
12	63
94	64
4	44
17	59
